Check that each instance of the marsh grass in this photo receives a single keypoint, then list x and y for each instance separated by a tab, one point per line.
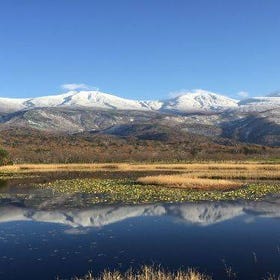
151	273
186	181
216	176
147	273
197	175
264	174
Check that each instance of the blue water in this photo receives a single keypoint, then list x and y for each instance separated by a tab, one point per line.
43	244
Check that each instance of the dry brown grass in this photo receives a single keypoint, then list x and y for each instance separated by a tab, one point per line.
147	273
184	167
27	168
216	176
256	174
185	181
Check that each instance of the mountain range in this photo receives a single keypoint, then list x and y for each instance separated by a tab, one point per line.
190	102
253	120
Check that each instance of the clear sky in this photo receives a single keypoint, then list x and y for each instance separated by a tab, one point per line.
139	49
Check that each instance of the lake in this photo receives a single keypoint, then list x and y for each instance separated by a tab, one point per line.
43	236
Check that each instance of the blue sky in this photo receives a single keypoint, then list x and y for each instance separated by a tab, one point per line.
139	49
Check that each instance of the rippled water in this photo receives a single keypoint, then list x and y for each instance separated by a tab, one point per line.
43	236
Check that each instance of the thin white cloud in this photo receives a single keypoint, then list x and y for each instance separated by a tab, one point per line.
78	87
243	94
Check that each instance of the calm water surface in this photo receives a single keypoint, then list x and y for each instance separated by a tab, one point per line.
42	237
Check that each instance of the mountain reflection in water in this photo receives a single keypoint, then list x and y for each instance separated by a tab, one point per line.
202	213
43	236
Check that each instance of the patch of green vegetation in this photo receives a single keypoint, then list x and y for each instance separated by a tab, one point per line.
125	191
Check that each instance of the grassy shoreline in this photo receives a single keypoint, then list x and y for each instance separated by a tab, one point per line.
158	273
147	273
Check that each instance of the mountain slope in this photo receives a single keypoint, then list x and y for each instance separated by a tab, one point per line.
261	128
255	128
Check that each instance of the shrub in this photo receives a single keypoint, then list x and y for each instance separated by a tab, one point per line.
4	157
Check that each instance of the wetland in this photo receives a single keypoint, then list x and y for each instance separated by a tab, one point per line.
63	221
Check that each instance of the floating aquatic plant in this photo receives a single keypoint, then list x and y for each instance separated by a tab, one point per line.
126	191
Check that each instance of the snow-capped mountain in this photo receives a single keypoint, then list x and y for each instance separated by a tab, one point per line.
188	102
198	100
90	99
253	120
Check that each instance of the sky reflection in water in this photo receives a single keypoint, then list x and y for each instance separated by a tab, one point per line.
44	243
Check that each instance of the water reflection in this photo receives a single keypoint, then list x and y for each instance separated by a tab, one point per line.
42	236
202	214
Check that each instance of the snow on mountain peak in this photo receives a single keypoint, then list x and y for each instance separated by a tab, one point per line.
74	98
190	101
200	100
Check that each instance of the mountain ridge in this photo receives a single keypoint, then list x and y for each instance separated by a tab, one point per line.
253	120
190	101
193	101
